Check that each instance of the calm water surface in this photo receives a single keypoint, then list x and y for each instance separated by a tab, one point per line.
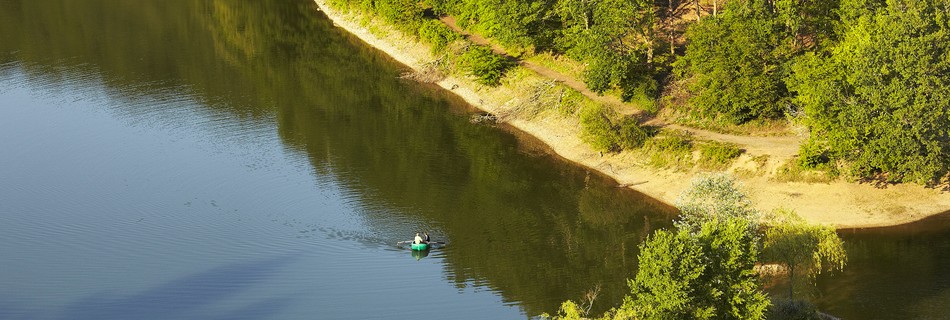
245	159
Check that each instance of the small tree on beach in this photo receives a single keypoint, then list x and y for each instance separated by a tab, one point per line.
805	250
704	275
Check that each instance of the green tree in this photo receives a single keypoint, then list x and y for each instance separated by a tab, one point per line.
805	250
808	23
487	67
734	65
703	269
880	98
615	39
706	275
519	25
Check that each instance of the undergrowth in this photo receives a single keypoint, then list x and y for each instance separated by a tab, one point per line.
669	151
717	155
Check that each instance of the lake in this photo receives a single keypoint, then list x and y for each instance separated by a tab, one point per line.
229	159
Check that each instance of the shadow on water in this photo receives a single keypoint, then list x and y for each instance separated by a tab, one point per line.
419	254
181	298
934	224
894	272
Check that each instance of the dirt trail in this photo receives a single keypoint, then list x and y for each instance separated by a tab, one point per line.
779	147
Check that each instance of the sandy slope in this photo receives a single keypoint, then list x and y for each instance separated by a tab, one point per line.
841	204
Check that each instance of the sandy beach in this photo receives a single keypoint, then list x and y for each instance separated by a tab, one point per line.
841	204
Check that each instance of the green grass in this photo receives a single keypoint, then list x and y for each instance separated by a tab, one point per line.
669	151
717	155
793	172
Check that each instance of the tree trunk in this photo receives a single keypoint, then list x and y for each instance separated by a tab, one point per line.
669	19
791	283
650	53
699	10
715	7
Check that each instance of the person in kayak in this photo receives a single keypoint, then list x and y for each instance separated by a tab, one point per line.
418	239
425	237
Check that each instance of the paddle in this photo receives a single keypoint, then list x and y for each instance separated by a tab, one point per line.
411	241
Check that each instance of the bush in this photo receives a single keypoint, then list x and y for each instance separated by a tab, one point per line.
487	67
642	92
670	151
717	155
601	133
793	172
595	129
398	11
811	155
629	133
437	34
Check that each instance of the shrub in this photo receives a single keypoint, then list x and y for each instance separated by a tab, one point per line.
398	11
487	67
793	172
604	135
437	34
630	134
596	128
668	151
811	155
717	155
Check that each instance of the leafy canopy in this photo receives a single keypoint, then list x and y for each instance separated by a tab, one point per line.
880	98
707	275
805	250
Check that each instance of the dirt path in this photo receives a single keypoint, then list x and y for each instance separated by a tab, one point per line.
779	147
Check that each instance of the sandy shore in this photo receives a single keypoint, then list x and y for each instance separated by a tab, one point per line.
840	204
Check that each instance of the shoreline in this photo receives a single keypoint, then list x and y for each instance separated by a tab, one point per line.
843	205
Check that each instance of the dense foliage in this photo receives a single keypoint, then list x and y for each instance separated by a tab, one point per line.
481	63
880	97
804	250
522	23
735	62
607	132
485	66
707	274
614	38
437	34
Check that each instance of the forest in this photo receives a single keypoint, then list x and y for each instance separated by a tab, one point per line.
868	79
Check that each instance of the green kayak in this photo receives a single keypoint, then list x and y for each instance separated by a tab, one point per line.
419	246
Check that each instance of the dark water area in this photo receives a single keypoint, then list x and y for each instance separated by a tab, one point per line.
229	159
248	160
898	272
